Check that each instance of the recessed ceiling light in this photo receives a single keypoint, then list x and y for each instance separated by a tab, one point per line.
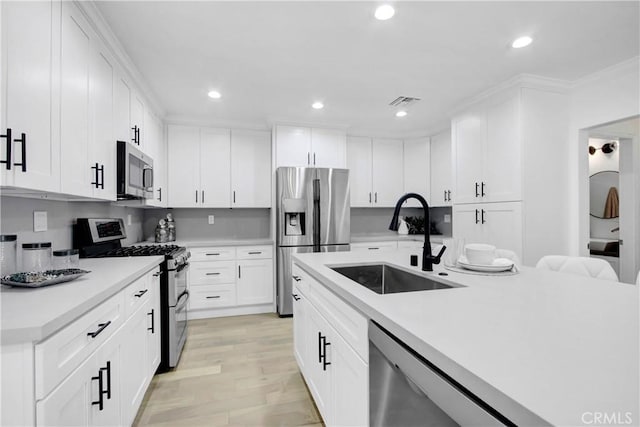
401	113
384	12
521	42
317	105
214	94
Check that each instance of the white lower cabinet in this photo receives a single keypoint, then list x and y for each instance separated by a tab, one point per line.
336	373
106	386
230	280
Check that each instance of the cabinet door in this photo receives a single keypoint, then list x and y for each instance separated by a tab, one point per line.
467	223
135	370
103	144
503	225
318	375
293	146
417	164
122	110
137	120
215	167
299	328
157	148
441	170
153	325
359	165
109	363
184	166
329	148
255	281
77	174
387	175
349	385
250	169
503	161
469	134
31	35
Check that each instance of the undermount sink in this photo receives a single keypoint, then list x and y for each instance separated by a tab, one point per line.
384	279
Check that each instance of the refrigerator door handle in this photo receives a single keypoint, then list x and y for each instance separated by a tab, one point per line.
316	215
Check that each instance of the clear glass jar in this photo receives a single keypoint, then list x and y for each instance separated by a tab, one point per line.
8	251
66	258
36	256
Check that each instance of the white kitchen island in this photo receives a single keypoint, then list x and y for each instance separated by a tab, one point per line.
541	348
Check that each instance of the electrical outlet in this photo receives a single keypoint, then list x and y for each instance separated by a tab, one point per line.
128	219
447	218
211	220
39	220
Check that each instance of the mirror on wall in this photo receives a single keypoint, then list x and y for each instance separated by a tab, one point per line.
603	194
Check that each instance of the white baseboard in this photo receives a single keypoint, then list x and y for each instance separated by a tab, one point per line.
230	311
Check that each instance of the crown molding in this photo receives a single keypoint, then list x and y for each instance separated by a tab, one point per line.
623	67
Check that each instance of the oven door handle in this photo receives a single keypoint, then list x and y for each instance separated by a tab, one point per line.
182	267
180	303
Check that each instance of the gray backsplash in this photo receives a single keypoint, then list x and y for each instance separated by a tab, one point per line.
366	221
228	223
16	217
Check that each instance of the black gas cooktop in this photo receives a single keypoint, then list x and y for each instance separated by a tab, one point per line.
149	250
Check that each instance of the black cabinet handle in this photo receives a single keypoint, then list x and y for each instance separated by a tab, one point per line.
295	297
255	253
157	274
376	197
477	221
7	136
477	187
296	278
373	249
202	196
483	221
142	292
213	274
234	196
211	254
23	140
214	297
102	177
239	273
160	194
308	158
482	189
152	313
448	195
101	327
100	401
314	159
135	134
445	195
369	197
196	196
107	369
325	344
95	182
319	347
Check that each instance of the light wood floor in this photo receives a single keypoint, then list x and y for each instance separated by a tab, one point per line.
233	371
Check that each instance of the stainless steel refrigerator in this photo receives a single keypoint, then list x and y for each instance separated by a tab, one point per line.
313	215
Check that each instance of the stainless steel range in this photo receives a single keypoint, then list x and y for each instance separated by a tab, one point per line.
100	237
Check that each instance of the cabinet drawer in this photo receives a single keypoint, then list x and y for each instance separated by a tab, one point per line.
60	354
212	254
212	296
209	273
300	278
137	294
251	252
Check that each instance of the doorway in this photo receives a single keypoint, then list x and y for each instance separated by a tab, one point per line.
613	151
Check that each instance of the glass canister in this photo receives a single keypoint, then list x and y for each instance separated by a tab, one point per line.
8	254
171	228
36	256
66	258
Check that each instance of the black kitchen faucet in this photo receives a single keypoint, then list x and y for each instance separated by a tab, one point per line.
427	259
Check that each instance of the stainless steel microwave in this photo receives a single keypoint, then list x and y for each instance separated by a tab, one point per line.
134	173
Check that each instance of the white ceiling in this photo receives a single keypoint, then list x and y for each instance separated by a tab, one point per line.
271	60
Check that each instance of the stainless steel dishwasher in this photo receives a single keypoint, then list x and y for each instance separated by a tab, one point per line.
407	390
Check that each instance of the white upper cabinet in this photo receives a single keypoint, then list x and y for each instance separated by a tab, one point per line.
312	147
157	148
376	173
137	121
359	164
387	168
215	167
487	153
250	169
31	40
441	170
183	166
122	109
416	169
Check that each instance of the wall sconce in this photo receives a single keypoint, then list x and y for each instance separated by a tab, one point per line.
607	148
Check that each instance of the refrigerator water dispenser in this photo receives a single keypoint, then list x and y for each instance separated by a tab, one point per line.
294	217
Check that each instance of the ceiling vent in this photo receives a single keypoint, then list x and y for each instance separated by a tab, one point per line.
403	101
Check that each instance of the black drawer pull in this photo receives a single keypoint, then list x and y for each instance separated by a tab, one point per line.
255	253
212	254
373	249
214	297
160	194
107	368
213	274
296	278
482	189
101	327
477	186
157	274
295	297
142	292
23	140
100	401
152	313
477	220
7	136
325	343
482	216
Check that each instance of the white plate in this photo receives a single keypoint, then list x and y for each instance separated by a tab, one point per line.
499	264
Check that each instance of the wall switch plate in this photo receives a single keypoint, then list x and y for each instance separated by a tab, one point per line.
39	220
128	219
211	220
447	218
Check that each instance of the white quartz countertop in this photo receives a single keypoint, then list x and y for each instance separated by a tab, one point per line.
31	315
204	242
540	347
